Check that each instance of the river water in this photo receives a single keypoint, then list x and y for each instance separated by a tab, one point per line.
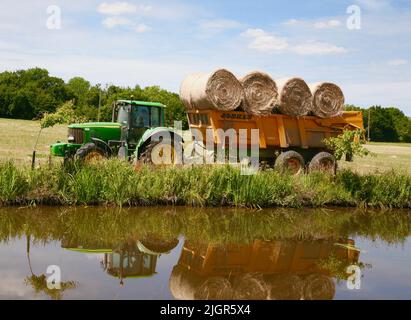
193	253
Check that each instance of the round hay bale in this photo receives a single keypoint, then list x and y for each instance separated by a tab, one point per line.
295	98
319	287
261	93
250	287
185	89
216	288
286	287
328	100
218	90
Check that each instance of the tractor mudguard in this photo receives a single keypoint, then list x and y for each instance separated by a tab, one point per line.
63	149
103	145
156	133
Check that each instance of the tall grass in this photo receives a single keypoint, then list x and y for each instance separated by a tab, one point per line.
117	183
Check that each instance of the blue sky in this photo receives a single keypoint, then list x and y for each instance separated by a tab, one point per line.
159	42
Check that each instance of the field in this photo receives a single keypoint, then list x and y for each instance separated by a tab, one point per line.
18	137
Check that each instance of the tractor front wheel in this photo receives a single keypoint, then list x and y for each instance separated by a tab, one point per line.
90	153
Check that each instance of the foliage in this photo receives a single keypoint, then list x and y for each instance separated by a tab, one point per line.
63	115
387	124
349	142
13	183
26	94
39	284
116	182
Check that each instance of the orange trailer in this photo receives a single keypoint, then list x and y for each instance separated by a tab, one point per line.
289	141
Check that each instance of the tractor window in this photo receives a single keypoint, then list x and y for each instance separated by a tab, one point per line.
155	117
141	117
123	115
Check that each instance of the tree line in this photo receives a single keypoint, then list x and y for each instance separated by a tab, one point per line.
29	94
385	124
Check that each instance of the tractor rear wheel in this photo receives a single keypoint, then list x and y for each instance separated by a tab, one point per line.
290	161
324	162
160	153
90	153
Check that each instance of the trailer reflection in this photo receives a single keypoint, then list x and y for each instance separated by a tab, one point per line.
275	270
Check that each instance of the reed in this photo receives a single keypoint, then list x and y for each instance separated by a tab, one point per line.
116	183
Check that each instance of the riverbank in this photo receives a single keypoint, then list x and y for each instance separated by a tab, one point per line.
117	183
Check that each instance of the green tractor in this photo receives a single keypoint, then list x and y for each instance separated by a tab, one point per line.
136	133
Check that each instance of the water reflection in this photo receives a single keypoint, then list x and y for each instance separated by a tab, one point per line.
132	259
260	270
193	253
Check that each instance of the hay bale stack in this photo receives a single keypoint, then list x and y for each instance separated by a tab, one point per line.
261	93
218	90
328	100
295	97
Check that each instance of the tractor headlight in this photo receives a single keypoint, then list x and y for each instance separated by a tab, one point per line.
70	139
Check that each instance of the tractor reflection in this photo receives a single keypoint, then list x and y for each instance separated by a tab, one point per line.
276	270
132	259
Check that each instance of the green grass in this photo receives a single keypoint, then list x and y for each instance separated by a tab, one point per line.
18	138
385	157
115	182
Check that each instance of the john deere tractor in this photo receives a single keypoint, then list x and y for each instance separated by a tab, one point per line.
136	133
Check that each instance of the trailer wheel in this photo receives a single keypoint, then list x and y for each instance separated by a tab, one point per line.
324	162
290	161
90	153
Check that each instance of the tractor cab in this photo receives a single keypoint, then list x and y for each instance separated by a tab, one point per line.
138	116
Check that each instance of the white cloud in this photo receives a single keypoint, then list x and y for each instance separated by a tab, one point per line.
291	22
397	62
264	41
219	25
267	42
327	24
112	22
319	48
119	8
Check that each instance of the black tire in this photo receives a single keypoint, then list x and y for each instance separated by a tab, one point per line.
146	156
89	152
290	161
319	287
324	162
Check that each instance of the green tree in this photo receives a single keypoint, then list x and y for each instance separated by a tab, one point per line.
80	88
26	94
